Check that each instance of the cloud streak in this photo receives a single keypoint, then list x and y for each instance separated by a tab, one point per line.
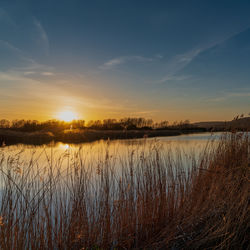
181	61
126	59
228	95
18	63
43	39
175	78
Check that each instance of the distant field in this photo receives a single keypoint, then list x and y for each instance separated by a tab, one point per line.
242	123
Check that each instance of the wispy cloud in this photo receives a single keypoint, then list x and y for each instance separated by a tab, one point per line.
47	73
43	39
145	112
19	84
175	78
227	95
181	61
11	47
18	63
112	63
189	56
34	28
14	58
36	73
125	59
27	73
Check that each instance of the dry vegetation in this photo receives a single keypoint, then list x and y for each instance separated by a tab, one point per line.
151	201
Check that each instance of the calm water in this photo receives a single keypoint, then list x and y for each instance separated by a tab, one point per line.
117	150
35	164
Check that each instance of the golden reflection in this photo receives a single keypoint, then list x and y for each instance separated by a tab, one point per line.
63	146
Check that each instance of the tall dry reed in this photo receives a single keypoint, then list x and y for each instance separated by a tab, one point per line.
151	201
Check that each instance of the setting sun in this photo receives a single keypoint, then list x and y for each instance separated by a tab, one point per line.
67	116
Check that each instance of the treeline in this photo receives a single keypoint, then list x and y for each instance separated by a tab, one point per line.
106	124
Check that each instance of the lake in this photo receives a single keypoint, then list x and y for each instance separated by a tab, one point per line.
185	148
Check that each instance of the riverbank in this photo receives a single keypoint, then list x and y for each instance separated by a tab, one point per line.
10	137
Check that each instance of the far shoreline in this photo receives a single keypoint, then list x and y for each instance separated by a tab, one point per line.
10	137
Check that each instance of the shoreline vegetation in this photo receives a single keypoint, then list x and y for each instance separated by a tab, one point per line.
152	201
77	131
8	137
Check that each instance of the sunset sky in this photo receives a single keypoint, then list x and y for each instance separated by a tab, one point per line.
166	60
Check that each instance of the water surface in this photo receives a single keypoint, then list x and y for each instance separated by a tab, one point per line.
117	150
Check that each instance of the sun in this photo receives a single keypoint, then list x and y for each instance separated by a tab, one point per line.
67	116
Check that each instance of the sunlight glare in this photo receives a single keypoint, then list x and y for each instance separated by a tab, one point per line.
63	146
67	116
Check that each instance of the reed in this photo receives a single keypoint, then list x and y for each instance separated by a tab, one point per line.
151	201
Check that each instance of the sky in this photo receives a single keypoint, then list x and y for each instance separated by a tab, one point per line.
165	60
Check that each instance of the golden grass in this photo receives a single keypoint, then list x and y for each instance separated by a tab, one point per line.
152	201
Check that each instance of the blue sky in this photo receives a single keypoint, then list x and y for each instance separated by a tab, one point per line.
168	60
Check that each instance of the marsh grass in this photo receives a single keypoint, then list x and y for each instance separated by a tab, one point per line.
151	201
